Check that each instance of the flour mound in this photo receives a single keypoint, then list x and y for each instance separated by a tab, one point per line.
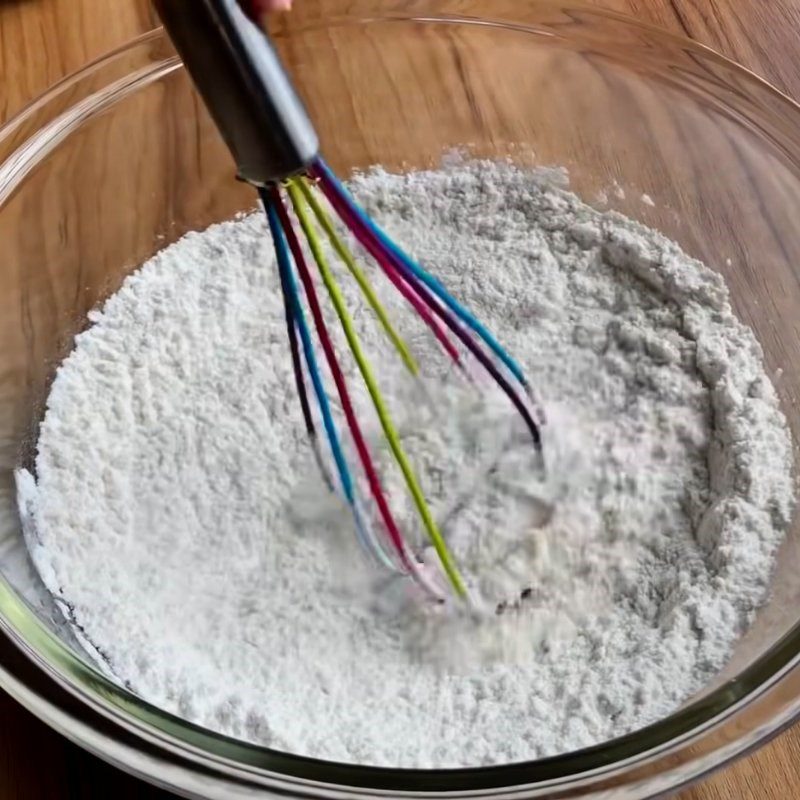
173	507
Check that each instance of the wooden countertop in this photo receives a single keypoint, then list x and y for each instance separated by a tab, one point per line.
42	40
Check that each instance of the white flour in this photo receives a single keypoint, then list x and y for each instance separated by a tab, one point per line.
173	447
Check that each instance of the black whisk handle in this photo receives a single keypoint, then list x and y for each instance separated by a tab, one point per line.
244	85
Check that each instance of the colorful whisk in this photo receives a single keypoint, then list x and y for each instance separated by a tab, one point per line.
234	66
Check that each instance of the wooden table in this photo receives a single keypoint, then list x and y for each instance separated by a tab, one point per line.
42	40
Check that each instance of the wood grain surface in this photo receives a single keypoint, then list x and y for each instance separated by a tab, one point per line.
43	40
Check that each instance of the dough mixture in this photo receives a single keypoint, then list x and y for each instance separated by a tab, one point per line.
176	516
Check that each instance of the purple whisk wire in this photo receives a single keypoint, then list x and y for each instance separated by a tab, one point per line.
386	258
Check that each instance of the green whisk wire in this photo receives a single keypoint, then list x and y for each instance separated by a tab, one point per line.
361	279
297	196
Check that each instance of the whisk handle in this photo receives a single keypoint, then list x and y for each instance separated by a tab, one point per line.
244	85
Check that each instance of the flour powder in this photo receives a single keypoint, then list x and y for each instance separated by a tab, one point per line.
177	517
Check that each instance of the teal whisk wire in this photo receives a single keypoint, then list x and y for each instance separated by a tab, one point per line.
464	314
290	288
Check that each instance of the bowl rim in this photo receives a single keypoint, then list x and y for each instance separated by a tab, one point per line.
705	734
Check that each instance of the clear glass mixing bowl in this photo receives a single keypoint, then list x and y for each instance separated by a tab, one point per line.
120	159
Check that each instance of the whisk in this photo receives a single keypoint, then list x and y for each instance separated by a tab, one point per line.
235	68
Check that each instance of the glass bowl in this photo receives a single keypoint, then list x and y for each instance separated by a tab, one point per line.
120	159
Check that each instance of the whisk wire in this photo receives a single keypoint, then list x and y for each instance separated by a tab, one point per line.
427	286
322	170
421	300
429	299
407	563
361	279
381	409
296	322
292	324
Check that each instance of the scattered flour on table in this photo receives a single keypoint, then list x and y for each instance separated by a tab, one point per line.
174	512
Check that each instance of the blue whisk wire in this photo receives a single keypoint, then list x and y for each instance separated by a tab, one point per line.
291	293
464	314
